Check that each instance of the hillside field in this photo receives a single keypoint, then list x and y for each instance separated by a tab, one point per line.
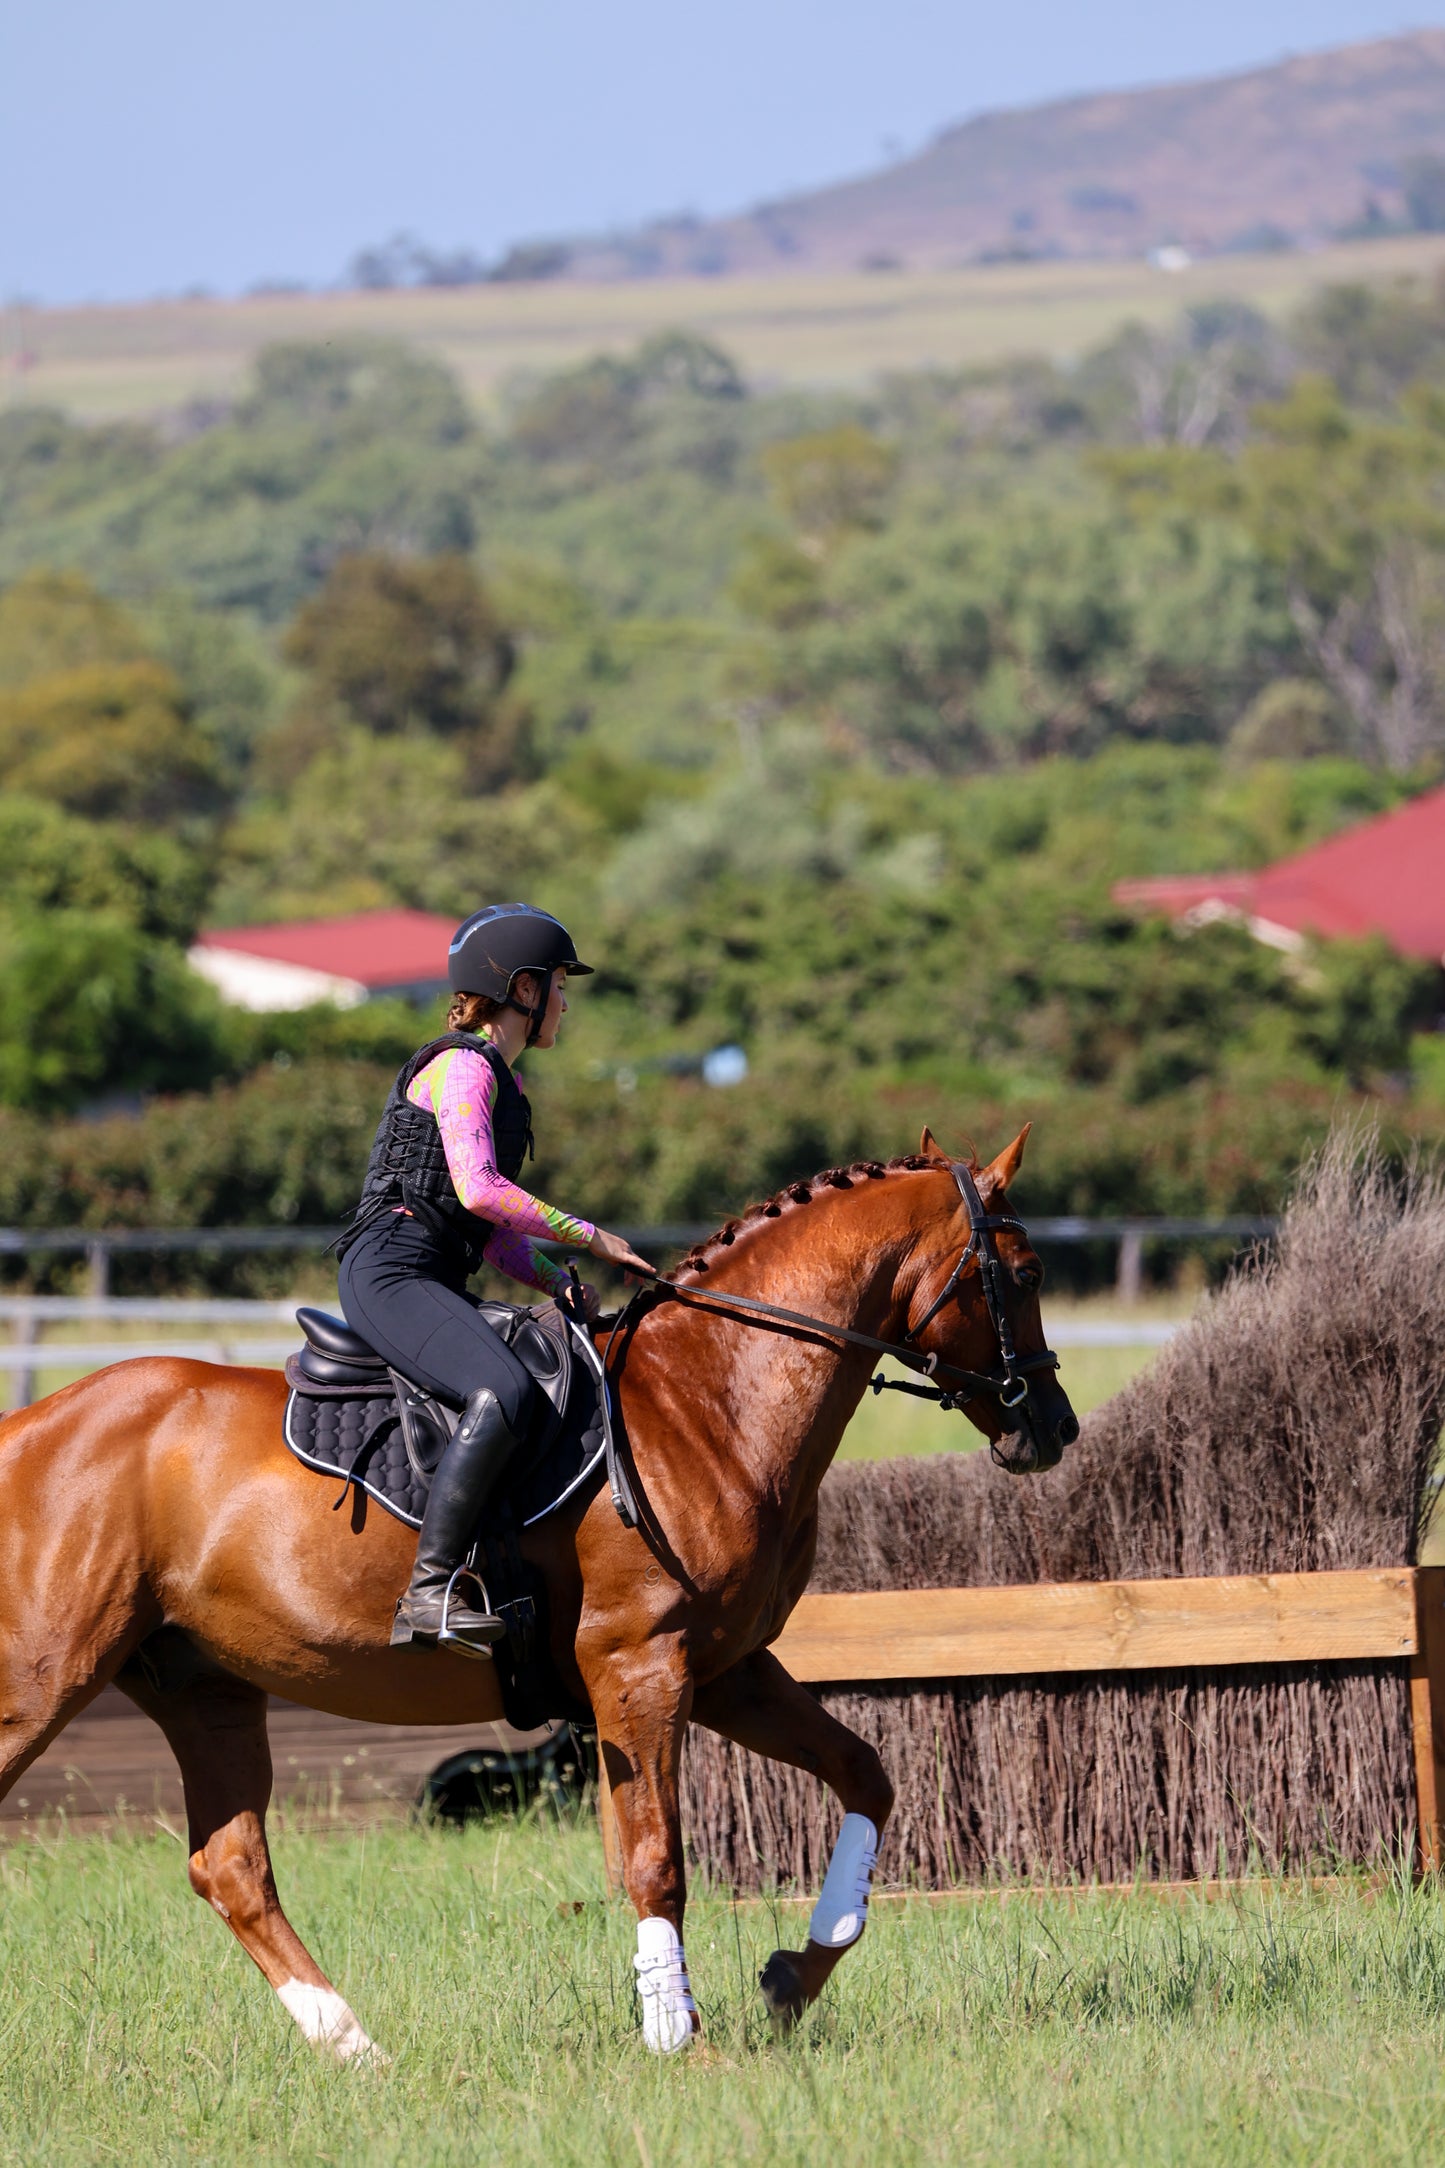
101	363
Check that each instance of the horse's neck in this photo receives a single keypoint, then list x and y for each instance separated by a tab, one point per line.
837	1259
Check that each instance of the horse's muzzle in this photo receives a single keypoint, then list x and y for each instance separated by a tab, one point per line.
1047	1428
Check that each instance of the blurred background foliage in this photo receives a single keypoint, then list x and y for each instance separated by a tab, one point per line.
827	720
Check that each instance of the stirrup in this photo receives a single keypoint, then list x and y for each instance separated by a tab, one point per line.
470	1641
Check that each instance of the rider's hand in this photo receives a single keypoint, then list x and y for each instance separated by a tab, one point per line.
614	1251
591	1302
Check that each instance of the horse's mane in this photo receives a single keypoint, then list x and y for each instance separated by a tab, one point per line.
801	1193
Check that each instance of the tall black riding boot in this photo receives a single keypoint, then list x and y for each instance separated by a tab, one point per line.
433	1608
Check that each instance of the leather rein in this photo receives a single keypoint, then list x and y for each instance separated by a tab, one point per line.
1010	1389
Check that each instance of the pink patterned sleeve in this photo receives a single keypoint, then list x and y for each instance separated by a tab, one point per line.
458	1087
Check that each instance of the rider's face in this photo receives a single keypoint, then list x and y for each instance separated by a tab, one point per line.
556	1010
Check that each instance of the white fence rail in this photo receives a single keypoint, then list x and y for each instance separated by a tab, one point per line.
29	1354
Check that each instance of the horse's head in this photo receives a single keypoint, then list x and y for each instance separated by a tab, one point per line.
976	1306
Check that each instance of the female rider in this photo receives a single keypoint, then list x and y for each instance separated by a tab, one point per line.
440	1196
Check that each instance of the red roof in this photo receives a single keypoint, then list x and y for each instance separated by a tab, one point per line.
375	948
1385	876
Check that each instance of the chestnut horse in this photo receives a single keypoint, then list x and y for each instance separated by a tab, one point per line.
160	1493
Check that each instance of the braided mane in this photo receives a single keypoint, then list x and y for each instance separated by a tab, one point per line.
801	1193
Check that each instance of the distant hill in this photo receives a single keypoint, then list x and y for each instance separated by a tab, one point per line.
1285	155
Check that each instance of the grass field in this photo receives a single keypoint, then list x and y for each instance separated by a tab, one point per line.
1284	2026
139	358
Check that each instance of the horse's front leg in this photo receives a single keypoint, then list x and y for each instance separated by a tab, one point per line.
761	1707
641	1699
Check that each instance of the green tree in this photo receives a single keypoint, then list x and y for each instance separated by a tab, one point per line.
393	645
111	740
374	821
354	444
832	483
1349	509
599	411
89	1007
1372	342
51	860
56	621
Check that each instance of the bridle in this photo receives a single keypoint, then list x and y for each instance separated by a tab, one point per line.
1012	1389
948	1386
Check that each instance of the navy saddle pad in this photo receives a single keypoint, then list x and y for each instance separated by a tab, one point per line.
349	1417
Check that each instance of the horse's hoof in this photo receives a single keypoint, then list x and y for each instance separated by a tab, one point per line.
783	1990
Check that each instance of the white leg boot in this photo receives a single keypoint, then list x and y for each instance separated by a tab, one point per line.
841	1913
669	2014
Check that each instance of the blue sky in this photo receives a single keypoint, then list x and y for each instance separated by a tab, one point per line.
154	145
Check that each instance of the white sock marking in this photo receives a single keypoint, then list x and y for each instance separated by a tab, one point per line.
841	1913
668	2010
328	2021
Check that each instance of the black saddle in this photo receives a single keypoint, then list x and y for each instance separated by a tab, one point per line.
350	1414
334	1354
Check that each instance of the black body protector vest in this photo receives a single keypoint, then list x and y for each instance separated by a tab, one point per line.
408	1164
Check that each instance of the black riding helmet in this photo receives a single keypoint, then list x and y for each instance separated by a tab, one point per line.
490	948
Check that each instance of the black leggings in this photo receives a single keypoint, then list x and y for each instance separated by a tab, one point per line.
402	1292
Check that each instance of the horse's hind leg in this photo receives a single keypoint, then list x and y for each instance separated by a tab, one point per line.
759	1705
216	1727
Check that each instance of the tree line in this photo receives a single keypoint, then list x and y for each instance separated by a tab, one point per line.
829	718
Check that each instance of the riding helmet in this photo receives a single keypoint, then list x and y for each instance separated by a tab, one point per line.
494	944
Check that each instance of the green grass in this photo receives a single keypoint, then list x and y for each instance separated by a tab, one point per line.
818	328
1276	2027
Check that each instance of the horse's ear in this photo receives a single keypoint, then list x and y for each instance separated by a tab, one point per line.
1003	1169
929	1148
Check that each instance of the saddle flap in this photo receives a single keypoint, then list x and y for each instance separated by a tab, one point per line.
541	1340
426	1427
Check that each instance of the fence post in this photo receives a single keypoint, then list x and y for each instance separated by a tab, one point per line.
1427	1716
97	1270
1130	1284
27	1332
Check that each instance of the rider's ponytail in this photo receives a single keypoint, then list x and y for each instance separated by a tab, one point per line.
468	1012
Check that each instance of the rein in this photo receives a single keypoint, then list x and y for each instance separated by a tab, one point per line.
1010	1390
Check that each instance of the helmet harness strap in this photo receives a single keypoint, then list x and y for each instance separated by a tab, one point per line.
534	1011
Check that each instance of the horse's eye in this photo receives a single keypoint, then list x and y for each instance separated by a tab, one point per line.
1029	1276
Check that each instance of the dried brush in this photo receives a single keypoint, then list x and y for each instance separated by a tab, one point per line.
1291	1426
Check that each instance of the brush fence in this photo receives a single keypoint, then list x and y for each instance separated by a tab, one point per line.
906	1648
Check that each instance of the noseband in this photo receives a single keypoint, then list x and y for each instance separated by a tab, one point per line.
948	1386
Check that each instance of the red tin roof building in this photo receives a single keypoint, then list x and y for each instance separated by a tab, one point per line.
342	960
1386	876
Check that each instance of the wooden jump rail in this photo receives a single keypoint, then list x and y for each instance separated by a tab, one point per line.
1267	1618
